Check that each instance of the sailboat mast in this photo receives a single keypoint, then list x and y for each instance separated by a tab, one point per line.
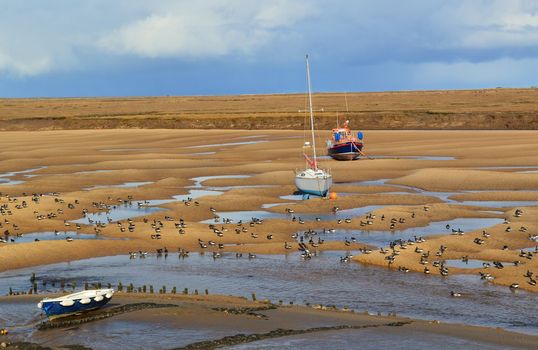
311	113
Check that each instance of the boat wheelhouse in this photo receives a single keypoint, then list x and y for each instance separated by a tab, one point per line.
343	145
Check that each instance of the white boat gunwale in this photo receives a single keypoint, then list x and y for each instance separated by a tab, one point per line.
81	295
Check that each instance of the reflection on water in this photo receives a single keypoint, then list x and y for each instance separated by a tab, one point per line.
471	263
141	208
445	196
52	236
248	215
128	334
401	157
414	157
201	153
383	238
6	178
117	212
370	338
323	279
271	205
198	180
500	204
127	149
229	144
530	249
296	197
20	314
193	194
123	185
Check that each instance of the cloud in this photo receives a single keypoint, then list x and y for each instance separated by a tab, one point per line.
38	38
24	68
431	31
62	36
206	29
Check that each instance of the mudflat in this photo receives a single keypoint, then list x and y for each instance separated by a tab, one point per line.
71	173
215	321
232	192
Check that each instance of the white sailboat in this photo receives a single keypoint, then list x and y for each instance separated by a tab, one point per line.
312	180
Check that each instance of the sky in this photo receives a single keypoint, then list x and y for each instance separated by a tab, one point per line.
67	48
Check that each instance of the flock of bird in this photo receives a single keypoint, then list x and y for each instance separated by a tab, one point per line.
307	241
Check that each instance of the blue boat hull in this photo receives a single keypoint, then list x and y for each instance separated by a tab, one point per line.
345	151
315	193
54	309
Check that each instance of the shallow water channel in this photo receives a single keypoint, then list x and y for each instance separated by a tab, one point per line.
323	279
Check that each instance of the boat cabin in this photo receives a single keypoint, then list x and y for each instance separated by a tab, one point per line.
342	135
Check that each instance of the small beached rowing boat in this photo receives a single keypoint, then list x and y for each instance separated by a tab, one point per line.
75	303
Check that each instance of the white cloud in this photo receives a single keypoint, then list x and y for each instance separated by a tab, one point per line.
62	35
26	67
490	24
284	13
205	29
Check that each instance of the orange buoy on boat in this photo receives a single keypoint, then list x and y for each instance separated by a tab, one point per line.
333	195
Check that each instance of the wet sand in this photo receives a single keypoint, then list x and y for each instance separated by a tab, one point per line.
469	176
194	319
68	162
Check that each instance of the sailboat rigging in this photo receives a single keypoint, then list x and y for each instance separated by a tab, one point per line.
312	180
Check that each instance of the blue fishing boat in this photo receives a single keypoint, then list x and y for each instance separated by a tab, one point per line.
343	145
75	303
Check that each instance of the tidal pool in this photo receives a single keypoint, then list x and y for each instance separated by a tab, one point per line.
322	279
383	238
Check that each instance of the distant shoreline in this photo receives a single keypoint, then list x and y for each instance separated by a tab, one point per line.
482	109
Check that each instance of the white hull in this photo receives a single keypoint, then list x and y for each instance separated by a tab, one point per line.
318	183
